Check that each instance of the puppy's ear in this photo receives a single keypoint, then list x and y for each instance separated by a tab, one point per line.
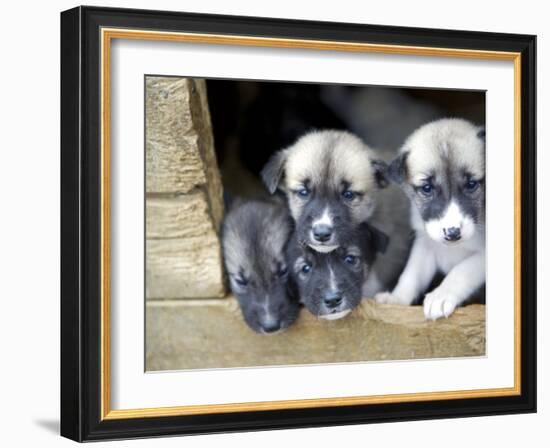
380	172
377	240
273	170
397	171
481	133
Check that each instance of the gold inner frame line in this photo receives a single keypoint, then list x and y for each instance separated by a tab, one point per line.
107	35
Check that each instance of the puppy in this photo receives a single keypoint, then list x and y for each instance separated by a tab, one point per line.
441	168
334	182
331	285
254	236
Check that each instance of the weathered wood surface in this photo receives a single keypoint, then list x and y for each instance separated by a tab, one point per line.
212	333
184	205
186	216
184	268
180	152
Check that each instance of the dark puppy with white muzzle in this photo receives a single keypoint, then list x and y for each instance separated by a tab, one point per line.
330	285
254	237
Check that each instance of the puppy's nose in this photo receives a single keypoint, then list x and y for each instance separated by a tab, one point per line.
271	327
333	299
452	233
322	233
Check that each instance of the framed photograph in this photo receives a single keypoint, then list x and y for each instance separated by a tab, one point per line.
277	224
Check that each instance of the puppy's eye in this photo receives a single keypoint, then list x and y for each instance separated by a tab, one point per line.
283	270
471	185
348	195
426	189
303	192
306	268
351	259
241	281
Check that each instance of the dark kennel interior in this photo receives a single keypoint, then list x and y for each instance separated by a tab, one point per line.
252	119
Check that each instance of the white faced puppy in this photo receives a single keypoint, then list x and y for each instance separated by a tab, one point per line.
254	237
331	285
442	169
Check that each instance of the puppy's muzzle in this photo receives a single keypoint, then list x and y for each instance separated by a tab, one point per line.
271	327
333	300
322	233
452	233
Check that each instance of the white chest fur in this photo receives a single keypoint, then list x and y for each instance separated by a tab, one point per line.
448	256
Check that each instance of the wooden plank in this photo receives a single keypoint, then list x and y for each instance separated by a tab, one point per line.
179	145
184	268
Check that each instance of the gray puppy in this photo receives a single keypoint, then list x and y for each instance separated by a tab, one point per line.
254	237
330	285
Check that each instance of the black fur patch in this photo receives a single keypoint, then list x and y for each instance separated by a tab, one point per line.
397	170
380	172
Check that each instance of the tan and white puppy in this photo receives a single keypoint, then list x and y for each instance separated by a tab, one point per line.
441	168
334	182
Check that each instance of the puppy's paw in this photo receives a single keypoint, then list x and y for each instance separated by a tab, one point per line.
438	304
386	297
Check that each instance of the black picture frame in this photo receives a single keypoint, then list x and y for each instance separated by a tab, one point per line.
81	224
